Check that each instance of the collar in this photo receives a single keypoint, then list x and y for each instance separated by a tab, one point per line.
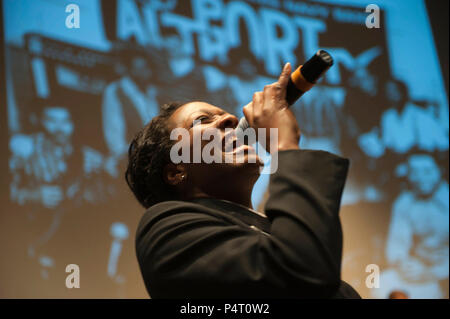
251	217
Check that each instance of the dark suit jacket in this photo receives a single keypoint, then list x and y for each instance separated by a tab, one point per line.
210	248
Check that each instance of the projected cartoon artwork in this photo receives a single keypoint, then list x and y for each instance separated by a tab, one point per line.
76	96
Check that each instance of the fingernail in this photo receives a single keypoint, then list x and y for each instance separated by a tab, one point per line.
286	65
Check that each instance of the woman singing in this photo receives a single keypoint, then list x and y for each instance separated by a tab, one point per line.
200	237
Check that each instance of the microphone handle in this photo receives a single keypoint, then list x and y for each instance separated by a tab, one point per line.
302	79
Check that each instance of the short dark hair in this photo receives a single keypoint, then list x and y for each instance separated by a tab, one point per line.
148	153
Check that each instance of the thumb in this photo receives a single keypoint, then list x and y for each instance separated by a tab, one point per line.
284	76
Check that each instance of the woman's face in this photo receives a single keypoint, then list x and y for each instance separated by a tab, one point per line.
209	125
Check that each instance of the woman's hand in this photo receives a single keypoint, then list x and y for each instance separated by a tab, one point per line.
270	109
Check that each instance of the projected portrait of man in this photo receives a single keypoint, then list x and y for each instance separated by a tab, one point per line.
39	165
405	125
40	159
128	103
49	175
417	245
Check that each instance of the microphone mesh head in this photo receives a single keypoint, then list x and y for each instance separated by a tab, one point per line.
243	124
325	56
313	69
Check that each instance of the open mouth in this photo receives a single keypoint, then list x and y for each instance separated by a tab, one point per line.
231	144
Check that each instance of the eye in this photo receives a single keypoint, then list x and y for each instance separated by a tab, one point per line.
199	120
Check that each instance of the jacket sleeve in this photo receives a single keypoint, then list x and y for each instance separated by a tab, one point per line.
193	255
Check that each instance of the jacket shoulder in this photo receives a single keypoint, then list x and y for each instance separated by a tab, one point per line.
164	209
174	212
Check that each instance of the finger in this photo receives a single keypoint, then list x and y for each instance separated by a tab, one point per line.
258	103
269	91
284	76
248	113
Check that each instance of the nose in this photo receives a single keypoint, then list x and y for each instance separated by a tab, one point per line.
227	121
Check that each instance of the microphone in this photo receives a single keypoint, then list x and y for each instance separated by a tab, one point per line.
302	79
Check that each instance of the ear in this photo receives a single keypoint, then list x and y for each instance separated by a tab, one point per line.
174	174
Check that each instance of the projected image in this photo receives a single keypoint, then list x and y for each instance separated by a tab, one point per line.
75	97
417	246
